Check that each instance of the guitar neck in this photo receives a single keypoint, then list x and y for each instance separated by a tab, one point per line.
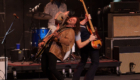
90	23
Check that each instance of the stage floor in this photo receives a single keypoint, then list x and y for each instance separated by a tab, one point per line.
97	77
29	65
66	66
61	66
103	77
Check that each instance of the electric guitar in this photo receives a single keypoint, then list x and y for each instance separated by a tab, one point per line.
97	43
49	39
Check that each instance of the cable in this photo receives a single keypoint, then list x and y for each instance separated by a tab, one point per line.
3	74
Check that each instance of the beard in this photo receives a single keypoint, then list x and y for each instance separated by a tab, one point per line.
66	23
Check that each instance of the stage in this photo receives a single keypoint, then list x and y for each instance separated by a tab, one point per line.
15	67
102	77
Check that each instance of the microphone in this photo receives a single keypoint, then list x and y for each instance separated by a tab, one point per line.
15	16
35	8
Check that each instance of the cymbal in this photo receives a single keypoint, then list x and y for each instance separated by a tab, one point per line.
39	15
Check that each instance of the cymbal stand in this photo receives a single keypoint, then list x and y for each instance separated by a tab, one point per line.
24	59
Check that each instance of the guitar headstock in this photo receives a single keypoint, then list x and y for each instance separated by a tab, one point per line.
82	0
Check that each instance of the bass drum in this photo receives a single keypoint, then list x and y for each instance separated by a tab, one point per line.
38	35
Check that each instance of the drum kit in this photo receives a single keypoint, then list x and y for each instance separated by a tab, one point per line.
38	33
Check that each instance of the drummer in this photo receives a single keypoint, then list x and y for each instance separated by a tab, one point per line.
53	7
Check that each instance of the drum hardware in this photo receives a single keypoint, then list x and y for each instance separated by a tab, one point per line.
39	38
38	33
39	15
33	53
37	60
27	55
35	50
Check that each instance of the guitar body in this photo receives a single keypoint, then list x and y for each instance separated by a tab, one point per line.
97	43
44	47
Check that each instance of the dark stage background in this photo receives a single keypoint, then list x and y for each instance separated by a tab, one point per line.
23	24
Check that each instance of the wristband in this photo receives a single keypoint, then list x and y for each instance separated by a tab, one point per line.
89	40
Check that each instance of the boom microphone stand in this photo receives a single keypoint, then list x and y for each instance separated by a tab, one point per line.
4	39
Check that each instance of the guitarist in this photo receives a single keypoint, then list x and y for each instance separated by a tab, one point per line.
83	40
61	43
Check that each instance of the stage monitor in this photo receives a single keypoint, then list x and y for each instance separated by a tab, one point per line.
2	68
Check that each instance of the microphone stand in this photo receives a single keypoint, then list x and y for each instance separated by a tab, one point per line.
4	43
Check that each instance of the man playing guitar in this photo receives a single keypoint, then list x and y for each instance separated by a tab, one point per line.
62	41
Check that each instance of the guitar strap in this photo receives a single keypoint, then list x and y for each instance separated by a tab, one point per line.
63	29
59	31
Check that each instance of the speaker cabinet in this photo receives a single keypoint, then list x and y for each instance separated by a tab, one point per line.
2	68
123	25
130	58
111	42
125	6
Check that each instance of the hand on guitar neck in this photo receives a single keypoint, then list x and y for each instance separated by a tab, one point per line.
87	18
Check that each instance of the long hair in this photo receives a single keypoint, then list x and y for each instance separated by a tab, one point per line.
77	28
77	25
52	1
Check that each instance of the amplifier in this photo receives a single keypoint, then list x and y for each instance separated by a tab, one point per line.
129	56
2	68
123	25
126	6
121	42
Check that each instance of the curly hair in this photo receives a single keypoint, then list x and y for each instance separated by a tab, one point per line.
77	28
77	24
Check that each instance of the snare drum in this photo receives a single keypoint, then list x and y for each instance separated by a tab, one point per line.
38	35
